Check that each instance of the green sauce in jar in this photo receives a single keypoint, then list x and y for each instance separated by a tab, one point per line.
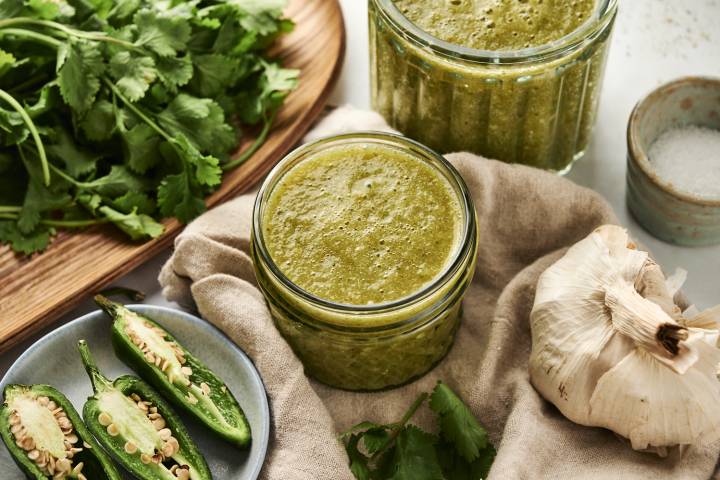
362	224
363	246
497	24
513	80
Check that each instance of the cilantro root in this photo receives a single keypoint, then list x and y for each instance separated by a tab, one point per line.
401	451
132	120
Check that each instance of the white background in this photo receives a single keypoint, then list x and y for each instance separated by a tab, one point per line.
654	41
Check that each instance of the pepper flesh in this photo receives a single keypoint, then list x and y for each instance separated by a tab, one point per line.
150	350
96	464
123	415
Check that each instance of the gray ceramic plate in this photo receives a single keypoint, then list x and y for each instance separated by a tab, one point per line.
54	360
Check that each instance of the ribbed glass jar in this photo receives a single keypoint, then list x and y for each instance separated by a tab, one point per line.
368	347
534	106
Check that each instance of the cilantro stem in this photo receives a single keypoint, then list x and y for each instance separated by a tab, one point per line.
67	177
74	223
33	131
21	32
138	112
60	223
9	209
397	428
250	151
98	36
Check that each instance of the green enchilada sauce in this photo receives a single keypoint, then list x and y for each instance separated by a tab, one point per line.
538	112
497	24
362	224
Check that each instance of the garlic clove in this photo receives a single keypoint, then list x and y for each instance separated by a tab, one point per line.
559	371
653	406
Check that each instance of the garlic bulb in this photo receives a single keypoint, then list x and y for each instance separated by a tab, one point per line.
611	349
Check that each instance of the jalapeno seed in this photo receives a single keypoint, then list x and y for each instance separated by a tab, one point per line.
42	429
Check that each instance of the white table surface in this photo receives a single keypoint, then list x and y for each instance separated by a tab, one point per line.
654	41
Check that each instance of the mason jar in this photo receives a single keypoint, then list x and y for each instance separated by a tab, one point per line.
534	106
378	345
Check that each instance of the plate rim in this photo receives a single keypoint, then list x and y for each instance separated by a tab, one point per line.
138	307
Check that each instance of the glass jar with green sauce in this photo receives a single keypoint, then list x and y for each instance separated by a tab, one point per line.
514	80
364	245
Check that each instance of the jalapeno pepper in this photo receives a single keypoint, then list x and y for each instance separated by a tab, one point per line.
47	439
139	428
185	381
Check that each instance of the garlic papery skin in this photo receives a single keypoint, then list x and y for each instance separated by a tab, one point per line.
611	349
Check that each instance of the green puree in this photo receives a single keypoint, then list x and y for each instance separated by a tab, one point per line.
362	224
497	24
507	103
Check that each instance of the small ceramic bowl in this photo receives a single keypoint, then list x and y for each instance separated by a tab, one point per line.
667	213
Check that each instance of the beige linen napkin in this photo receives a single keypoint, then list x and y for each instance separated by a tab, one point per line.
527	218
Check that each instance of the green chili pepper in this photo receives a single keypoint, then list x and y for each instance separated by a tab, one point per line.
47	439
185	381
139	428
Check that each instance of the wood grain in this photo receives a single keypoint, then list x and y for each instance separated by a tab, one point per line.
36	290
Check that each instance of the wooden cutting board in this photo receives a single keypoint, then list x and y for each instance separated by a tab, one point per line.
36	290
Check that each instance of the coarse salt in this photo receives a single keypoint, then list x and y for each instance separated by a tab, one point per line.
689	159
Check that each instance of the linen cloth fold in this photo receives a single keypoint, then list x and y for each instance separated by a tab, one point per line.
527	219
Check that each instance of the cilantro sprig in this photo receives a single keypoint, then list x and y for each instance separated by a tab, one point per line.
126	112
401	451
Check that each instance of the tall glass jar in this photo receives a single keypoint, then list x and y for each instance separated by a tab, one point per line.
368	347
534	106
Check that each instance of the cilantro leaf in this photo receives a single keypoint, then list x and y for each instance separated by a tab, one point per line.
78	161
13	128
134	201
260	15
175	72
358	461
399	451
10	8
207	167
49	9
99	122
7	61
27	243
376	438
274	85
164	35
80	65
176	198
117	182
455	467
40	198
212	73
137	226
141	148
133	73
415	456
457	423
202	121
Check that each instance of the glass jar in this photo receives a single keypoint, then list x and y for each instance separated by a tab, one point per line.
368	347
534	106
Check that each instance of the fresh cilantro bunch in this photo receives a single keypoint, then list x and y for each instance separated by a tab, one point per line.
400	451
125	111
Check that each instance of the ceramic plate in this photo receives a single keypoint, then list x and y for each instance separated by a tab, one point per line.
54	360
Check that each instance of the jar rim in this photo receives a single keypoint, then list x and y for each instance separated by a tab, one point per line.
602	16
465	245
